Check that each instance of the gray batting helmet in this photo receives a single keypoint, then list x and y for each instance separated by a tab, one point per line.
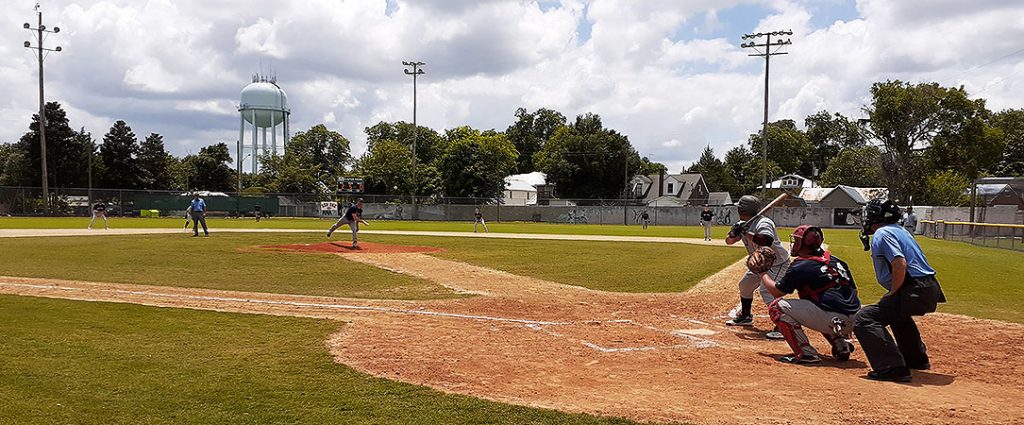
748	204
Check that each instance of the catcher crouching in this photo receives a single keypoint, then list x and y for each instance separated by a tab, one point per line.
828	298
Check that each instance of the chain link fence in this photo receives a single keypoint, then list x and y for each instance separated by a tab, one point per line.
1006	236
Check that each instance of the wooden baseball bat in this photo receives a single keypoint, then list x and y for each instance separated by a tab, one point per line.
778	200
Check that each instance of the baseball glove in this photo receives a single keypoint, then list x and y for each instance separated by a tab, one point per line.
761	260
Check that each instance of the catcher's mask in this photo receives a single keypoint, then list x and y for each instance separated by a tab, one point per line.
806	236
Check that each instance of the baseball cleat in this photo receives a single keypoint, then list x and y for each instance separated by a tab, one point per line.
923	366
741	320
895	374
801	359
842	349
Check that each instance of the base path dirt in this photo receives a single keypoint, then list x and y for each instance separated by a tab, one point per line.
663	357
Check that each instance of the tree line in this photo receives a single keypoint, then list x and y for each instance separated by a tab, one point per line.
922	141
919	140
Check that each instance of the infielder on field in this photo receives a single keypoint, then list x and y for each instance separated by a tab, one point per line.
478	218
99	210
353	216
756	231
645	218
188	217
828	298
902	269
706	217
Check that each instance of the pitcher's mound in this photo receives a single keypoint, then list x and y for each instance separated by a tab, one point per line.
346	247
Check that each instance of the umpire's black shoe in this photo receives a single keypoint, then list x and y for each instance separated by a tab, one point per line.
923	366
894	374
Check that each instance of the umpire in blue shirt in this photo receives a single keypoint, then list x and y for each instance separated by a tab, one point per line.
902	269
198	215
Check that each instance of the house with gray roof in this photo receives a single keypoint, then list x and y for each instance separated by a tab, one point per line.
670	189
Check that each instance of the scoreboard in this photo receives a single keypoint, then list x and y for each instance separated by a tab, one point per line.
350	185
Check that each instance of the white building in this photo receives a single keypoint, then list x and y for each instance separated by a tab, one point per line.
520	188
792	182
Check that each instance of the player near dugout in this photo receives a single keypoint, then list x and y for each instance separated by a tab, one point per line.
828	298
352	217
756	231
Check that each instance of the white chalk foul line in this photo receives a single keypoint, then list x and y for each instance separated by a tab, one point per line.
289	303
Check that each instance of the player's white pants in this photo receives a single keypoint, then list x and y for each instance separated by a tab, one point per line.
480	221
804	313
104	215
352	224
751	281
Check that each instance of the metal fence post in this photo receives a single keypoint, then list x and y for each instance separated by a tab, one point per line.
120	201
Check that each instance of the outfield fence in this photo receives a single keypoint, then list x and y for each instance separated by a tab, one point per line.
1006	236
72	202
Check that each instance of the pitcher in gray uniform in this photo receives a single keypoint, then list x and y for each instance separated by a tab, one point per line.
756	231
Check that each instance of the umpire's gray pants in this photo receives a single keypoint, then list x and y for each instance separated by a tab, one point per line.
752	281
197	219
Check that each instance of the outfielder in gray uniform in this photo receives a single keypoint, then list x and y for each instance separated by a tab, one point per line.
755	231
828	299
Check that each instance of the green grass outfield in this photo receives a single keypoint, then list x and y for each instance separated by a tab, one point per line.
322	224
101	363
226	261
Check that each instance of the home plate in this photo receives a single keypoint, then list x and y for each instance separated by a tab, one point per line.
696	332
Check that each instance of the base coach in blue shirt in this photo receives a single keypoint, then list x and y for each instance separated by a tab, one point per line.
902	269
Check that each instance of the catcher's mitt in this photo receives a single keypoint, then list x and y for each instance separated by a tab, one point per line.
761	260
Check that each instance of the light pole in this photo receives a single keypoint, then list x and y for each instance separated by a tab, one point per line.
40	29
767	54
415	72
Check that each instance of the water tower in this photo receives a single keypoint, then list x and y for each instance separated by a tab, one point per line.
264	107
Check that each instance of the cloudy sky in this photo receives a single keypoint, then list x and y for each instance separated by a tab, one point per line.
668	73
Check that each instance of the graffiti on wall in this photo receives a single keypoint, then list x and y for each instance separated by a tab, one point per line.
723	216
574	217
391	213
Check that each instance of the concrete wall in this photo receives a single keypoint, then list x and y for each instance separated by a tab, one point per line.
675	216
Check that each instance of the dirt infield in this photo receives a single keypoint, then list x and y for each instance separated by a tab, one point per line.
663	357
364	248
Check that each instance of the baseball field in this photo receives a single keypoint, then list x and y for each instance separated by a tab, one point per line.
430	323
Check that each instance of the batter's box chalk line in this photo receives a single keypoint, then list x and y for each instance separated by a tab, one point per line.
690	336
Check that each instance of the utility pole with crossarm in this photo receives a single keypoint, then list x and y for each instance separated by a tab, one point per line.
41	54
767	53
415	72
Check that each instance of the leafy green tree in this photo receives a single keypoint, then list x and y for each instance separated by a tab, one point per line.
948	188
322	148
1011	122
829	134
587	161
475	164
906	118
648	167
155	163
530	132
855	166
386	168
210	169
14	165
745	169
65	154
429	144
293	172
716	175
119	155
964	140
788	147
